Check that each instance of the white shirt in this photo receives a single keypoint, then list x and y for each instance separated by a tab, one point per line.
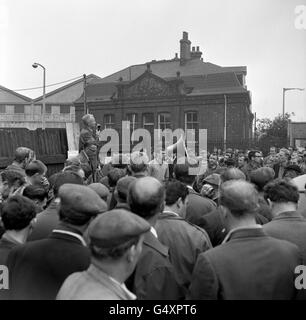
152	229
73	234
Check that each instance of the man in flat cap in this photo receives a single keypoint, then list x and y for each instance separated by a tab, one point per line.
38	268
116	239
249	264
154	277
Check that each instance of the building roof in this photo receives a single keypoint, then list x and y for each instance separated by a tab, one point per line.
10	96
89	78
215	83
169	68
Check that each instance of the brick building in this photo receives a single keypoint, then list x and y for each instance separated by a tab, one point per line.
297	134
184	92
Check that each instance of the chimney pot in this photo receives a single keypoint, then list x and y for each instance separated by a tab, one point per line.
198	48
185	35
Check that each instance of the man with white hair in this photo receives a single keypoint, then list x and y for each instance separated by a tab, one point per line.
89	143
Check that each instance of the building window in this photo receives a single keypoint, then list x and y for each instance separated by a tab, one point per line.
164	121
19	109
2	109
133	118
48	108
65	109
109	121
148	121
191	122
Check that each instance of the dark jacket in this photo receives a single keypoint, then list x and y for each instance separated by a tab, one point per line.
46	221
89	146
290	226
213	224
154	278
38	268
251	265
198	206
185	242
6	245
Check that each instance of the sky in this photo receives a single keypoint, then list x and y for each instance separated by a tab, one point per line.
73	37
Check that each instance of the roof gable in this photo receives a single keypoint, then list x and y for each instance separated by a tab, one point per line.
10	96
150	85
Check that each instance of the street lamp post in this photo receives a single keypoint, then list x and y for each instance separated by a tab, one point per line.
284	92
35	65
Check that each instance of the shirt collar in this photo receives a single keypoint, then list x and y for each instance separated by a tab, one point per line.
9	238
73	234
172	212
124	288
153	231
228	236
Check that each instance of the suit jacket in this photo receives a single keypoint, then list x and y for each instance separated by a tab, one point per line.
251	265
213	224
198	206
93	284
154	278
38	268
46	221
185	242
290	226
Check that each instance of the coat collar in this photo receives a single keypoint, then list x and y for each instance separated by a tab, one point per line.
151	241
246	232
289	215
118	288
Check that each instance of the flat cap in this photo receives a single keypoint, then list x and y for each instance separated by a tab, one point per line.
116	227
123	184
80	202
101	190
213	179
294	167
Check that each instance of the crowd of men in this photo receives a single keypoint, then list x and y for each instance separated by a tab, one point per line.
148	230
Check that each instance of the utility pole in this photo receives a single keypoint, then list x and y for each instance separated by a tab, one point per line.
85	103
225	119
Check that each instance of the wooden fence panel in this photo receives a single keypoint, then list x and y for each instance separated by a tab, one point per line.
50	146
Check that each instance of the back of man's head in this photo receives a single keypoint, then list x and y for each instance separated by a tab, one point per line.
232	174
35	167
239	197
182	173
175	190
66	177
139	162
146	197
261	176
33	192
23	153
114	175
122	187
12	177
281	191
17	213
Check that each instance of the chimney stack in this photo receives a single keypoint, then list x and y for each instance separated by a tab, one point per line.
185	48
196	54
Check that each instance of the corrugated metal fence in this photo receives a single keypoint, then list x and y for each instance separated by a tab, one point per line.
50	146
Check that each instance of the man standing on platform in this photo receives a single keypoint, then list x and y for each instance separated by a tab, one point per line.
89	144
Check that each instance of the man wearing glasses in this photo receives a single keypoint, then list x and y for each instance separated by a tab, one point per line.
255	162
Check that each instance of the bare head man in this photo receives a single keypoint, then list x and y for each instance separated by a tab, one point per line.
89	121
239	201
146	198
23	156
